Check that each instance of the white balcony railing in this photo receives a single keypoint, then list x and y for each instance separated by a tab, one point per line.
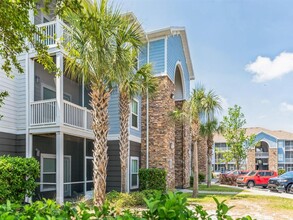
289	148
289	159
54	32
45	112
261	154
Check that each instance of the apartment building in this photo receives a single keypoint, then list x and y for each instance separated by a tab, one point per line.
271	150
49	118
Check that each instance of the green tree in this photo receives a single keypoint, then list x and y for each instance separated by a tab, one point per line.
211	106
100	53
208	130
190	114
134	84
17	33
235	135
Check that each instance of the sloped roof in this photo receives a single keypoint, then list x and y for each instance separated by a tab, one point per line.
279	134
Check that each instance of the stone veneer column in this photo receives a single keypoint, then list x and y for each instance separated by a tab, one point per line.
186	155
202	156
182	152
161	130
251	159
273	159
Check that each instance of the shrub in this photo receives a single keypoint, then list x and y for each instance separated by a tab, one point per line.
17	178
152	179
281	171
201	178
160	206
228	180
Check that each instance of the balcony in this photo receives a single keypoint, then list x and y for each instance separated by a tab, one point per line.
289	160
289	148
55	32
261	154
44	113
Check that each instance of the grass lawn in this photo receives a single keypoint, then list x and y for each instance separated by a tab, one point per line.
217	188
257	206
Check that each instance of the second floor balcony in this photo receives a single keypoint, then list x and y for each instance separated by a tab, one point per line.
260	154
44	113
55	34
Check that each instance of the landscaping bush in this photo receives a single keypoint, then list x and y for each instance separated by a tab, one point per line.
228	180
17	178
201	178
152	179
125	200
160	206
281	171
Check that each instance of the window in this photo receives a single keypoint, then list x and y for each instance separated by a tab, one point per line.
49	93
134	114
134	172
48	172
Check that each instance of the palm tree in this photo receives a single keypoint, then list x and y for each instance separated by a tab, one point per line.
191	113
100	53
207	130
211	106
133	85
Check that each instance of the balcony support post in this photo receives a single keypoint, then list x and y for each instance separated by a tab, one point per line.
59	89
59	167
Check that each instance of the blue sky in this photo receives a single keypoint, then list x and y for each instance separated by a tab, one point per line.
241	49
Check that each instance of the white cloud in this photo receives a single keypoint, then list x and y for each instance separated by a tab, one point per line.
265	69
285	107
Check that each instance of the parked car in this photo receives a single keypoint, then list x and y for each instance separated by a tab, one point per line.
282	183
256	178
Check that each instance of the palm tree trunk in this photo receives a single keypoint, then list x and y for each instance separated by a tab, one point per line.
123	141
210	142
195	170
99	102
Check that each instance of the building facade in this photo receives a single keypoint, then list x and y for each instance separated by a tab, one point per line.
271	150
49	118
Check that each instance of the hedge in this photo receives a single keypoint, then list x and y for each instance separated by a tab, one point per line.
17	178
152	178
201	178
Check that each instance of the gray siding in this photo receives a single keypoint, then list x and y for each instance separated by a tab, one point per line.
134	149
12	144
113	169
13	110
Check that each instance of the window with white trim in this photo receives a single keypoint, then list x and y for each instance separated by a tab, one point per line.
134	114
48	172
134	182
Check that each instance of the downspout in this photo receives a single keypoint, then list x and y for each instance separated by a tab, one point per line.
147	112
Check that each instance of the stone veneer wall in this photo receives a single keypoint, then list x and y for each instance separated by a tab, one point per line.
202	155
182	152
273	159
251	159
161	130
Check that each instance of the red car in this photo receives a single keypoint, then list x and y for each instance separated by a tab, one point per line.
256	178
